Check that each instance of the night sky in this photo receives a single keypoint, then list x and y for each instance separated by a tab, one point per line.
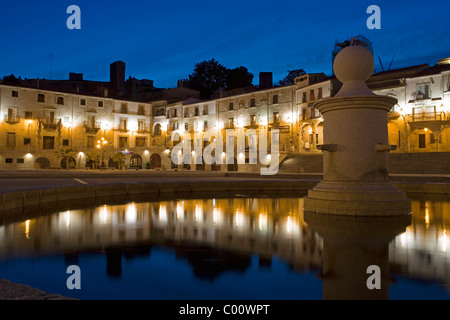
162	40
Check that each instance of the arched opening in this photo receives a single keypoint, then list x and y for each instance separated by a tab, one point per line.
423	140
112	163
307	137
157	129
155	161
68	163
42	163
319	134
136	161
394	136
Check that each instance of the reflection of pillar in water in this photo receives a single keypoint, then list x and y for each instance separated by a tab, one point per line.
351	245
114	263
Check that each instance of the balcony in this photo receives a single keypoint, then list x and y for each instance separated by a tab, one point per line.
50	124
91	127
428	116
12	119
144	128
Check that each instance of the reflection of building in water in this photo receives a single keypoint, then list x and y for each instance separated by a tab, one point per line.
244	225
423	250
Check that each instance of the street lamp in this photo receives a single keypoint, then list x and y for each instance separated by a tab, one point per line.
100	145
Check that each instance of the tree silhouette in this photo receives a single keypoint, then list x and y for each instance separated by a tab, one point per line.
292	74
208	77
238	78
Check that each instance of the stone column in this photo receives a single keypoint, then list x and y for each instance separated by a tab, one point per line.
356	180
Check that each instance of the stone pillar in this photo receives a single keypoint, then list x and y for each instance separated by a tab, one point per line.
356	180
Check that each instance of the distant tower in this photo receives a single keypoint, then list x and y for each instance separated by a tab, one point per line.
265	80
117	76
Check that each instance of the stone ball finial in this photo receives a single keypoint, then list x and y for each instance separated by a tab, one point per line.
353	66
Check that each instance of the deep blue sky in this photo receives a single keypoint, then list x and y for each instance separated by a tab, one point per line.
162	40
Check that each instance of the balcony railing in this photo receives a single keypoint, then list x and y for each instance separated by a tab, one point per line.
91	127
12	119
427	116
50	123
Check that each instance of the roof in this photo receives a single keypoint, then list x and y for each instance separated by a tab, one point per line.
436	69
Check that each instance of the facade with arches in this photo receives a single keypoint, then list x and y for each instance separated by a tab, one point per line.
42	129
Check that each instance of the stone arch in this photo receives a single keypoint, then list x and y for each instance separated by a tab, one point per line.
423	140
157	129
68	162
42	163
306	137
155	161
136	161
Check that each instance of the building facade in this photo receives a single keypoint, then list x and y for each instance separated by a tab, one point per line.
46	128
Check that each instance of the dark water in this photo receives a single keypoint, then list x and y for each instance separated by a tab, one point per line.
239	248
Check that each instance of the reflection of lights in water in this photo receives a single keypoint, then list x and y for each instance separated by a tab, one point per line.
289	224
198	212
27	229
238	218
217	216
406	239
131	214
180	210
162	213
67	218
262	221
444	240
427	214
104	214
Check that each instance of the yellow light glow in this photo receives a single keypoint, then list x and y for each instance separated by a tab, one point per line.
98	146
217	216
198	212
426	129
180	210
67	218
131	214
163	213
262	221
27	229
444	241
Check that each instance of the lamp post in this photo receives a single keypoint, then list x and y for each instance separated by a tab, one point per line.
100	145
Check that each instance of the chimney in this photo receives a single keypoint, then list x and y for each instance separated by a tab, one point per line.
265	80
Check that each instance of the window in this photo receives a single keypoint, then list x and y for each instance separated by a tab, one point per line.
196	111
40	97
157	130
141	125
141	142
303	114
175	113
12	115
60	100
276	117
48	143
90	142
91	122
20	160
313	113
174	125
123	142
141	110
124	108
311	95
205	110
28	115
423	91
230	123
275	99
10	139
82	102
252	102
231	106
26	141
15	93
65	142
9	160
100	104
319	94
123	124
252	120
205	125
304	97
